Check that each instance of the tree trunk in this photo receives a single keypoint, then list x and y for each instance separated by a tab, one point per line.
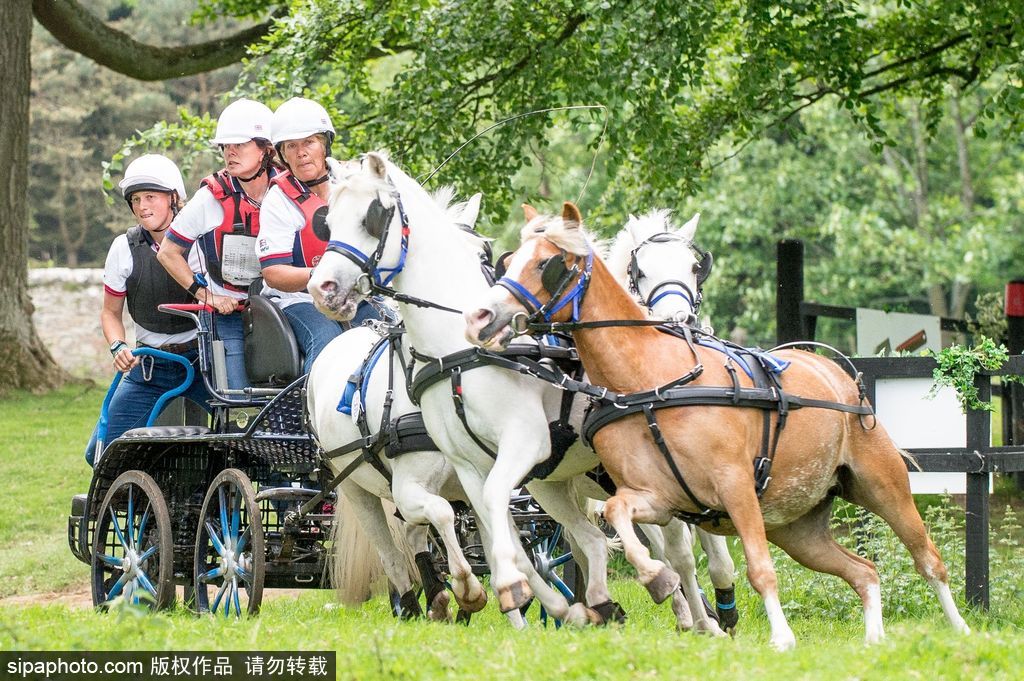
961	287
25	363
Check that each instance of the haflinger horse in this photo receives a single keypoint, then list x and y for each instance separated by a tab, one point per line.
697	460
665	270
418	480
491	423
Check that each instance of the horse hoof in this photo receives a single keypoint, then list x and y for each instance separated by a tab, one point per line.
409	606
463	617
663	584
514	596
471	605
438	610
610	612
580	615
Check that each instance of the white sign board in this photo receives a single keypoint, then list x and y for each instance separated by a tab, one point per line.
914	420
890	333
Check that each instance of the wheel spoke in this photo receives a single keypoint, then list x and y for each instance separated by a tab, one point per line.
146	584
555	536
142	524
223	513
117	527
243	540
211	574
130	519
234	592
236	512
557	582
218	547
220	595
149	553
561	560
245	575
110	560
118	585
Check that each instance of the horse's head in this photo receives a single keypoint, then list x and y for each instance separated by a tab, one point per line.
665	269
543	280
367	239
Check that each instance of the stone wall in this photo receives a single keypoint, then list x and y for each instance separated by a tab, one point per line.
67	318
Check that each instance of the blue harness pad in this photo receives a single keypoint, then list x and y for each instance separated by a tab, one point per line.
357	380
770	363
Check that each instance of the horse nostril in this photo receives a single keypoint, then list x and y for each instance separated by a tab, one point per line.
328	287
480	317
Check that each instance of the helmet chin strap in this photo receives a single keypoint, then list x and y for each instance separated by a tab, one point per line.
263	168
319	180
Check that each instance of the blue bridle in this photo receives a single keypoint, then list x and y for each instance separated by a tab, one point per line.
545	311
376	278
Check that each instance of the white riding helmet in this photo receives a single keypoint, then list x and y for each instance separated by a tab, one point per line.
297	119
152	171
243	120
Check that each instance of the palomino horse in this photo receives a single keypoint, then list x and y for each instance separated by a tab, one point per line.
421	480
385	230
664	270
696	460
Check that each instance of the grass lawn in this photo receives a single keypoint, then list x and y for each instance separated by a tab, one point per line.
42	466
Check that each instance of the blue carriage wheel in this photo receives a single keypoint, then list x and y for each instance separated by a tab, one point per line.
230	551
132	545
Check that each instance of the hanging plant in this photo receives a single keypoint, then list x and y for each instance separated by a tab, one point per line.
958	365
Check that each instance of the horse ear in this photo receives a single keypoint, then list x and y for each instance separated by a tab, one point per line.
529	211
690	228
377	165
472	210
570	213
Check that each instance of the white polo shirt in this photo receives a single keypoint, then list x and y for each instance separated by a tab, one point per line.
116	271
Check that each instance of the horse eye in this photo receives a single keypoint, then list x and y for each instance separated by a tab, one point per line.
543	263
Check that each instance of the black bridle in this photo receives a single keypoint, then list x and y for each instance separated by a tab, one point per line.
674	287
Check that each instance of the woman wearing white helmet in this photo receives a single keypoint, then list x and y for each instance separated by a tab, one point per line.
288	246
153	188
224	217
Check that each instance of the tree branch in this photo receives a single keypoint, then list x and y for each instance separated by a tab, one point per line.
78	29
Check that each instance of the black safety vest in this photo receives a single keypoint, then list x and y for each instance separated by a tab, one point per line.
150	285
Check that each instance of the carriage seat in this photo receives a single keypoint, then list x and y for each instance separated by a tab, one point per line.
166	431
272	356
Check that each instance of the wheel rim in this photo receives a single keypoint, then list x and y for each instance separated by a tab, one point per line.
132	551
229	549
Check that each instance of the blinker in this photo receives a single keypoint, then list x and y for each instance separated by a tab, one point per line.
320	227
377	218
501	264
553	273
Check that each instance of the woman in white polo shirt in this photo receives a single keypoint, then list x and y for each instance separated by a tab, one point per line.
224	218
153	189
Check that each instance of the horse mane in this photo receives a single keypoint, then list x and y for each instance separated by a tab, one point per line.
437	205
570	237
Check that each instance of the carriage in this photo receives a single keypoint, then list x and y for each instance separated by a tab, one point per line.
245	504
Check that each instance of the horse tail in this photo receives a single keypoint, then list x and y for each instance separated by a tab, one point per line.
356	566
400	531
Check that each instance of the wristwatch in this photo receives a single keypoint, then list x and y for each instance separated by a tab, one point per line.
116	346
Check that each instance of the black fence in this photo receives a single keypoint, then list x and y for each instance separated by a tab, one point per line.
797	320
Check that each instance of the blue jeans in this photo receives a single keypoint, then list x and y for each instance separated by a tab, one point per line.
135	396
229	329
313	331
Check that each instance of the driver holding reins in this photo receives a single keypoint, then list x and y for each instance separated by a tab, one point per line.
224	217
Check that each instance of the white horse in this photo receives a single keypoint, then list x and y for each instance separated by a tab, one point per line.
421	481
664	270
419	252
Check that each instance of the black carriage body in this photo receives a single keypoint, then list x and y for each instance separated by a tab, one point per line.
274	450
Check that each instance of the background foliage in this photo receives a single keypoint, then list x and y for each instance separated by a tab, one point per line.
886	134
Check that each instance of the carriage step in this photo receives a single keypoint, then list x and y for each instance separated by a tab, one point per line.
79	503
